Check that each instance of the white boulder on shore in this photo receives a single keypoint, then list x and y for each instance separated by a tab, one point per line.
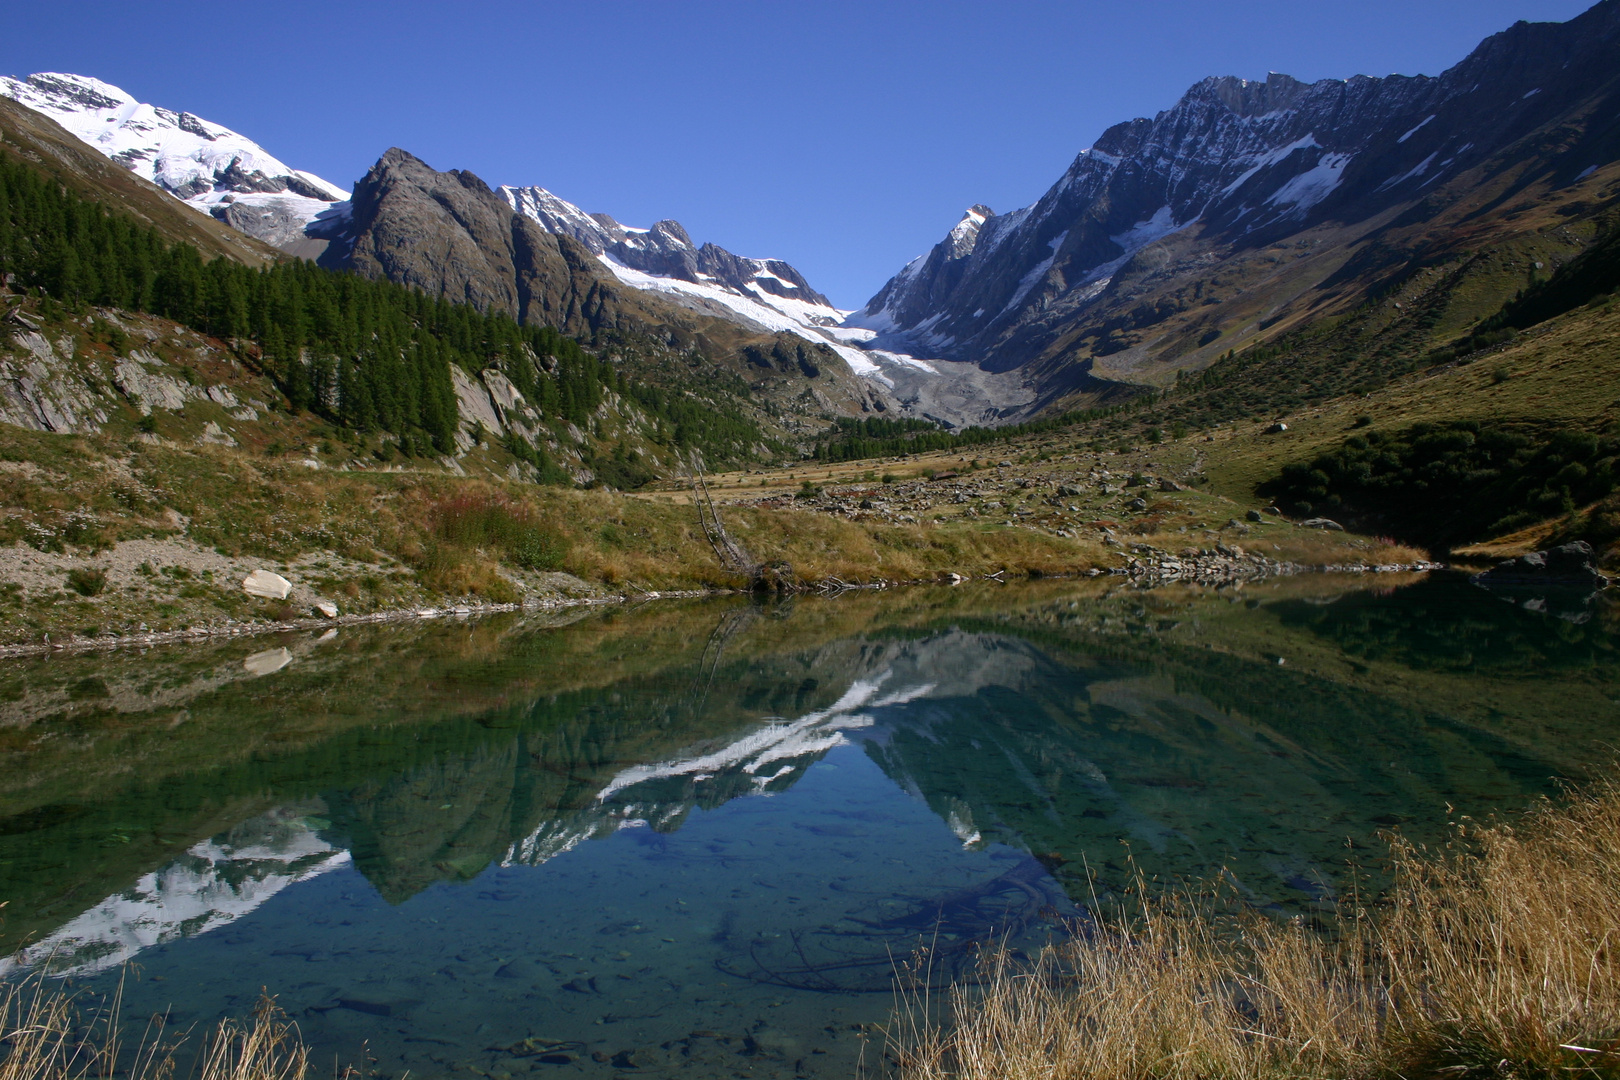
266	584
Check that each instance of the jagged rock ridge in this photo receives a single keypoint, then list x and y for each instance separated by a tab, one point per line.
1237	165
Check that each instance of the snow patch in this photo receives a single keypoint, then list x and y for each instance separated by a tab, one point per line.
1270	157
1312	186
1415	130
1417	170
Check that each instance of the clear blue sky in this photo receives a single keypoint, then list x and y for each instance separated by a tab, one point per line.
844	137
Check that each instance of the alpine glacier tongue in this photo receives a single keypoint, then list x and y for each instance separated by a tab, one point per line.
210	167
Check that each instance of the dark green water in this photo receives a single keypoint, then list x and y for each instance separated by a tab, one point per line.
693	839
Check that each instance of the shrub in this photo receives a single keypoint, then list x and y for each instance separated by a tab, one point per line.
498	526
87	581
1453	482
536	549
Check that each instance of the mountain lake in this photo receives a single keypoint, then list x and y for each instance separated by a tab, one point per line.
702	838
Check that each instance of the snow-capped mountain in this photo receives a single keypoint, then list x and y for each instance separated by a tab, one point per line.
768	294
1237	165
209	167
228	176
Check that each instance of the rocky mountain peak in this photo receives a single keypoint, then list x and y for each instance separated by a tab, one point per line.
1235	165
965	235
1246	97
664	251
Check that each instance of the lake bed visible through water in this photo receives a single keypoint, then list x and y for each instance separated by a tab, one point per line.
698	837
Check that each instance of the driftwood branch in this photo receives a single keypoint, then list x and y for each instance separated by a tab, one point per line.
732	555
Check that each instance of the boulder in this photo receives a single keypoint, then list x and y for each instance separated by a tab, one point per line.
266	584
1568	564
1169	485
1138	504
1255	515
1322	523
327	608
1277	429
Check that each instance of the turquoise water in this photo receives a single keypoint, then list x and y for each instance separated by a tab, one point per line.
698	839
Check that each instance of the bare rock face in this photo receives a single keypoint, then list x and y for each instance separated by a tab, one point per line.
447	233
450	235
149	389
39	390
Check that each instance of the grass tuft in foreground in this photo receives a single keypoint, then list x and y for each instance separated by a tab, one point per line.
1494	957
45	1035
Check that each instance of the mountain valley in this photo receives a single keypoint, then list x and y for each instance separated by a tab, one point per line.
1259	277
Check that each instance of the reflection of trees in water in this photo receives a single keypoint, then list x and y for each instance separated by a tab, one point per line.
1055	738
1447	624
1206	764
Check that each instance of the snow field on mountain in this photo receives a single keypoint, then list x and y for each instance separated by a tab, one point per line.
201	163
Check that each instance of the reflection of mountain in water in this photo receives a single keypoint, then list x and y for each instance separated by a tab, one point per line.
216	882
1200	760
661	793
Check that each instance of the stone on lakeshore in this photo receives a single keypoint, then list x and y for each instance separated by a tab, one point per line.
1568	564
327	608
266	584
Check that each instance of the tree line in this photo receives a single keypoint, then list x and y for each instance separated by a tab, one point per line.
366	355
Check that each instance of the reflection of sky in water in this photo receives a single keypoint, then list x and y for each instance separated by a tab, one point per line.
754	869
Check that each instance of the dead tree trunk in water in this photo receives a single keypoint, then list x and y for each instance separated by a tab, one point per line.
732	555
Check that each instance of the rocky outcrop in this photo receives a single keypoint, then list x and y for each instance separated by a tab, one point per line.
1571	565
38	393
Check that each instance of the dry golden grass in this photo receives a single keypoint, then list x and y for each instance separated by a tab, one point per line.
1495	957
44	1035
